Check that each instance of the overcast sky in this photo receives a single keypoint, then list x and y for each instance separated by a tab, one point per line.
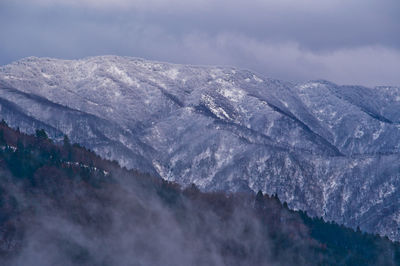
344	41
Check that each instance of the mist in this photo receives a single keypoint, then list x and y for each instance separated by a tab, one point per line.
126	223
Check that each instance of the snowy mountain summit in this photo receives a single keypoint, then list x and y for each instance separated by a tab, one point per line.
330	150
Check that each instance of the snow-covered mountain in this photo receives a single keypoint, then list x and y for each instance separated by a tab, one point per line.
330	150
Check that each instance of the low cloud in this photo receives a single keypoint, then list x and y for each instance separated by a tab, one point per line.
369	65
350	42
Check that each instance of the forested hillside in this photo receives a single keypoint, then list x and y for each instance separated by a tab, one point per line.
61	204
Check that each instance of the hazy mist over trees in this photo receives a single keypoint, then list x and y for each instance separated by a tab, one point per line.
63	205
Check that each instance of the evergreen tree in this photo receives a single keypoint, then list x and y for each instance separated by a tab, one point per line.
66	142
259	201
41	134
68	147
2	140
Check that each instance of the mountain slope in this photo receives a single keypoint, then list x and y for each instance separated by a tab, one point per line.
64	205
330	150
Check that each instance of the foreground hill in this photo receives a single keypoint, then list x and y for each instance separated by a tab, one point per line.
63	205
330	150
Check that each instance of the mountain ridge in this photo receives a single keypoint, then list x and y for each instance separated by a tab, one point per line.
321	147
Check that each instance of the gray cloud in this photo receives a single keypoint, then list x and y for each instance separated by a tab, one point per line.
342	41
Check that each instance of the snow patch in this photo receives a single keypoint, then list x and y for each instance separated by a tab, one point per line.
376	134
386	190
257	79
121	75
172	73
216	110
358	132
159	169
223	156
233	94
308	86
47	76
